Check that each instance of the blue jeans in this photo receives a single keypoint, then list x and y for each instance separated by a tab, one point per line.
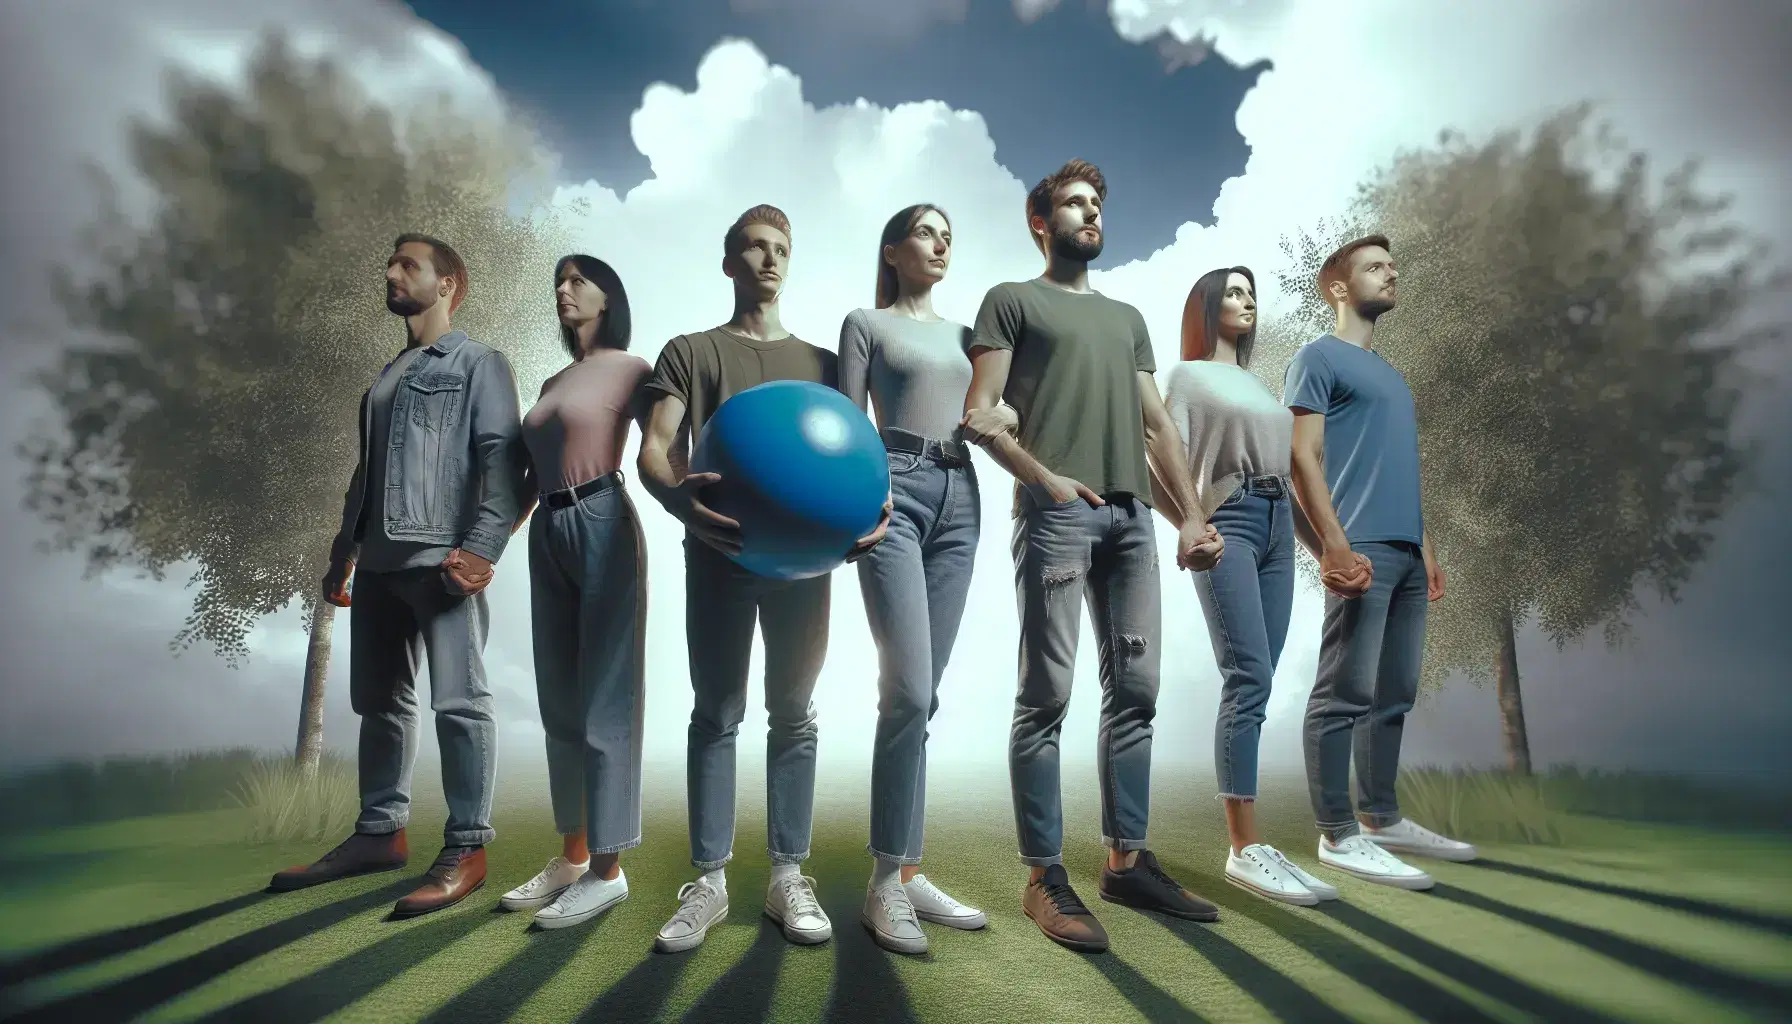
1065	555
396	618
1247	598
914	584
1369	659
588	604
722	603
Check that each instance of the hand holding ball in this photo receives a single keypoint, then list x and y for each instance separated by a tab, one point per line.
802	470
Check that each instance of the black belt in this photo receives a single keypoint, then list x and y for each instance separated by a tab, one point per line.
909	443
1265	486
573	495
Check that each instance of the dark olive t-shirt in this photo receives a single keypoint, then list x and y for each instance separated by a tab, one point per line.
1074	381
707	368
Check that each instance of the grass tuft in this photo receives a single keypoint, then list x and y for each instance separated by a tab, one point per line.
284	803
1480	806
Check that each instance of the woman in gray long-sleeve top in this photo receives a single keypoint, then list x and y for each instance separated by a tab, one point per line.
914	367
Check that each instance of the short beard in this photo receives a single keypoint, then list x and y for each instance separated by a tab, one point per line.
404	306
1372	309
1067	246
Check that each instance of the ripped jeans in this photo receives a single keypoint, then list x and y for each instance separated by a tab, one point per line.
1066	554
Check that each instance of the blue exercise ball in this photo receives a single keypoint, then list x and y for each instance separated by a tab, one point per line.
803	471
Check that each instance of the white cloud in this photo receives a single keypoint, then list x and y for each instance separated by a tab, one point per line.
746	136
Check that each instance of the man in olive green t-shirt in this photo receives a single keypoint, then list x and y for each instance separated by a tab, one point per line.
1077	367
695	374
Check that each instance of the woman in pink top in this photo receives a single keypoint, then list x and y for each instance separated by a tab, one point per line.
588	598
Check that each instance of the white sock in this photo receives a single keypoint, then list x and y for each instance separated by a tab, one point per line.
885	872
783	871
715	880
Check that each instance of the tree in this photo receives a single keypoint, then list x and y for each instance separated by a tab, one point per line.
217	424
1571	329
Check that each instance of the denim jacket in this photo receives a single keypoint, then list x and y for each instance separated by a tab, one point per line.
455	459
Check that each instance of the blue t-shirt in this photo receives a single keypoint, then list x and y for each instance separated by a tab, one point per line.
1371	437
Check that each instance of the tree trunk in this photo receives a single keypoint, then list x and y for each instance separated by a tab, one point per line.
1518	744
311	706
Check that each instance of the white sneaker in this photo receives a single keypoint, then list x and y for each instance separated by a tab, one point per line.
544	887
1409	837
1359	856
791	902
1317	886
1253	869
583	900
932	904
699	906
891	919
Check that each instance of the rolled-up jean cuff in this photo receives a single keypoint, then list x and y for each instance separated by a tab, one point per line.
892	858
711	865
1123	845
380	828
1337	832
1241	797
787	858
618	848
1383	820
1042	862
469	837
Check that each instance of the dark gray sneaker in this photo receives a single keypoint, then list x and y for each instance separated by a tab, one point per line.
1145	886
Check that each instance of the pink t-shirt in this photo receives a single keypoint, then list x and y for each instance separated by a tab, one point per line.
576	429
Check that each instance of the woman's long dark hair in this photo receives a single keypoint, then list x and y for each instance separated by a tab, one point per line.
896	229
1201	316
614	324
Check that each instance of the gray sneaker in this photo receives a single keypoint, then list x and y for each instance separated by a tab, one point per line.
890	917
792	903
699	906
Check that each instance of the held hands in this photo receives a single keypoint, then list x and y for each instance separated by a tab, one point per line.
982	426
864	544
465	573
705	523
1346	573
1198	546
336	582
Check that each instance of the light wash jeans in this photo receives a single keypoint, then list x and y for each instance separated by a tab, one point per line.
1247	598
1066	554
1369	658
722	603
395	618
914	584
588	604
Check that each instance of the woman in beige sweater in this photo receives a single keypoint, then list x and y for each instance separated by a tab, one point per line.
1239	439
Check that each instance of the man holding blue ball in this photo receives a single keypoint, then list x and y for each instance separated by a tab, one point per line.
1078	368
695	374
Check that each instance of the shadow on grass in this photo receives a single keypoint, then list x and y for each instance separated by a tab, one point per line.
639	994
1716	911
99	946
1470	972
1153	1002
128	997
498	995
1649	959
1421	997
332	988
1272	989
866	988
745	992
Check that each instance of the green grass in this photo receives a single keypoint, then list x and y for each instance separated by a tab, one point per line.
1480	806
159	919
283	802
78	792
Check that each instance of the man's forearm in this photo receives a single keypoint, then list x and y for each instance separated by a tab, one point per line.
657	474
1316	502
1020	464
1169	461
503	460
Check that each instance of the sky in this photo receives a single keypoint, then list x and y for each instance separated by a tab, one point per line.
670	118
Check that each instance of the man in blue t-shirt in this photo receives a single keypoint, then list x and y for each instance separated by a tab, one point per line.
1356	475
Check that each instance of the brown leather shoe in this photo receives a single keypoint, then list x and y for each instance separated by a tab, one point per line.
359	854
457	872
1055	908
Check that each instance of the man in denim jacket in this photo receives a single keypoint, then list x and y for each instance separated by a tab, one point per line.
434	497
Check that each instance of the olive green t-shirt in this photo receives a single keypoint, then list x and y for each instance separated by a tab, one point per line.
707	368
1074	381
